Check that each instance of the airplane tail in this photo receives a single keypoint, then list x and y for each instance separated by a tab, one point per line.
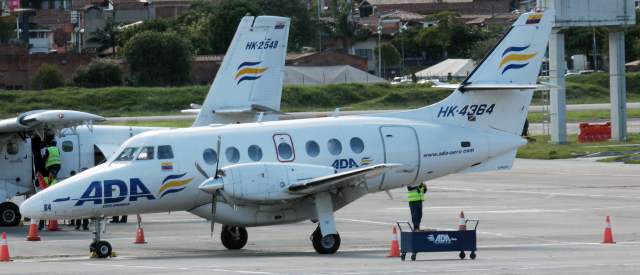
250	78
497	93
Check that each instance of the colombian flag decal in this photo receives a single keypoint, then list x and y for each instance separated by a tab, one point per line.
534	18
249	71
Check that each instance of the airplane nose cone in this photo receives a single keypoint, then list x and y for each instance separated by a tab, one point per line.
32	208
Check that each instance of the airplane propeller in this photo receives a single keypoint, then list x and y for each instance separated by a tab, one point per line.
214	195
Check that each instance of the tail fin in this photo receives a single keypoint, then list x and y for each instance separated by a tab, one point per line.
498	91
249	80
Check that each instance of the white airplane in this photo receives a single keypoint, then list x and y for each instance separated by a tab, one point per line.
248	85
277	172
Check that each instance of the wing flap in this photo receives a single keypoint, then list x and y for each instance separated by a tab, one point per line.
351	177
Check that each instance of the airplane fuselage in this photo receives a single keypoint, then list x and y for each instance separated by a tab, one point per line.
159	184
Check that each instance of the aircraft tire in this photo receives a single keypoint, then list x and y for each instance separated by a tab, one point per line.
9	214
325	245
101	248
231	240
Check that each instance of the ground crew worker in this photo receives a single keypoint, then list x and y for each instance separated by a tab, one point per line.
52	161
415	196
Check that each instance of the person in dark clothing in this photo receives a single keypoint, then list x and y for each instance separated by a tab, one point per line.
115	219
416	197
84	222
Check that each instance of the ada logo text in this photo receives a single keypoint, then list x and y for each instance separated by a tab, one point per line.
345	163
103	192
441	239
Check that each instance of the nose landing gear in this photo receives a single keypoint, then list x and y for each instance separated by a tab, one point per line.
99	248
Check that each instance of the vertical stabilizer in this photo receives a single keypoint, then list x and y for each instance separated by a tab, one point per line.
250	78
498	91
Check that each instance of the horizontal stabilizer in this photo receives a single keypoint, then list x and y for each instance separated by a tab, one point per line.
49	119
495	87
352	177
253	109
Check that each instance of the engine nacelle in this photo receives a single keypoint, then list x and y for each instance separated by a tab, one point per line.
268	181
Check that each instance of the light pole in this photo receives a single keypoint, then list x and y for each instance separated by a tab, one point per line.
379	49
401	29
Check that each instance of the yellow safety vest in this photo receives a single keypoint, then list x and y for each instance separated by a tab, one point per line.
416	194
46	181
54	156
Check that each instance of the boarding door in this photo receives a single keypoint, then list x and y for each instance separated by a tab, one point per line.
69	147
400	146
16	165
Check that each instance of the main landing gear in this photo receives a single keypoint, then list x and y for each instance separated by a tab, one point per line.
99	248
328	244
234	237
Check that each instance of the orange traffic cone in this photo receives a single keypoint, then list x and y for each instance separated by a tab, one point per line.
33	231
394	250
462	223
139	232
53	225
4	249
608	234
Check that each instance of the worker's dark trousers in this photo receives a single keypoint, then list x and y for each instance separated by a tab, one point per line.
416	213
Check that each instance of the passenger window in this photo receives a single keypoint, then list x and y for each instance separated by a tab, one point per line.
210	156
67	146
146	153
335	147
312	148
285	151
255	152
165	152
357	146
12	148
127	154
233	155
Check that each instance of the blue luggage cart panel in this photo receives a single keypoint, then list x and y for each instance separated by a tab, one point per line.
437	240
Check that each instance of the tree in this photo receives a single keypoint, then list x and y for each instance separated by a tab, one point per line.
106	37
48	77
159	59
343	28
304	25
158	25
222	24
7	29
99	73
450	38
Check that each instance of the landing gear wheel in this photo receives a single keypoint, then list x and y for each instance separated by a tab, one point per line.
234	237
413	256
462	255
9	214
325	245
101	248
472	255
403	256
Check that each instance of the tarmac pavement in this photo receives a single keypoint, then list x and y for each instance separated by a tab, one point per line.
542	217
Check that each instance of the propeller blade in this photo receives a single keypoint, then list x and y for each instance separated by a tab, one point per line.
217	157
213	212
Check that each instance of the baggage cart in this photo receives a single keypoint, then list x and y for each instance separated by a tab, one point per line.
437	240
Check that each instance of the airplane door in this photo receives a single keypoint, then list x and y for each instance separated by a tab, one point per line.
400	146
16	165
69	155
284	147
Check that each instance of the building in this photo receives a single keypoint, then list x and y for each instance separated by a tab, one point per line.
434	6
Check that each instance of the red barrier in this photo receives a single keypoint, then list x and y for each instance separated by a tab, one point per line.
593	132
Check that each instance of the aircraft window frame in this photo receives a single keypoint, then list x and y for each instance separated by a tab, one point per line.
334	146
312	148
357	145
285	151
254	152
165	154
232	154
12	148
148	156
67	146
210	156
130	154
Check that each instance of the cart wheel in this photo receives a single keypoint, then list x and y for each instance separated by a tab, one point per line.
403	256
413	256
462	255
472	255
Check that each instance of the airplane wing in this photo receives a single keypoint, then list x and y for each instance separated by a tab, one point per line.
351	177
41	120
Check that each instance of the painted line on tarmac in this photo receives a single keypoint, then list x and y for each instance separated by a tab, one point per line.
518	211
534	193
182	268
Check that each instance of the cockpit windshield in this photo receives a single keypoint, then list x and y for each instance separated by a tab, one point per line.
127	154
